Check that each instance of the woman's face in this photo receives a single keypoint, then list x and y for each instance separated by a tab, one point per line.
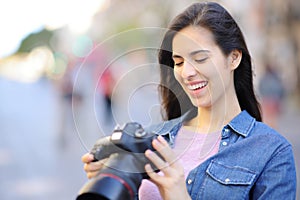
203	71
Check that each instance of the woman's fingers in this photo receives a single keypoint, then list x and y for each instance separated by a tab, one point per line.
92	174
153	175
86	158
91	168
171	168
163	148
156	160
167	164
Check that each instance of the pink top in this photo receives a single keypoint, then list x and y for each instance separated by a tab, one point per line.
192	149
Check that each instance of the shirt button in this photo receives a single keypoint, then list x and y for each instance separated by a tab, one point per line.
227	180
190	181
224	143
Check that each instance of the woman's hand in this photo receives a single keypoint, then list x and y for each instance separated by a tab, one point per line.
91	168
171	182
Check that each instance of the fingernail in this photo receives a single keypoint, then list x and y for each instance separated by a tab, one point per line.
148	152
161	138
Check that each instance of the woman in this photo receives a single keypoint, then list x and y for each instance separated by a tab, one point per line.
217	148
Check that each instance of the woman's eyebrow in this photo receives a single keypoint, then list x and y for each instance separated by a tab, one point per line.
192	53
176	56
199	51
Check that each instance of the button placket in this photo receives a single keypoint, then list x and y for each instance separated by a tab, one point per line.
224	141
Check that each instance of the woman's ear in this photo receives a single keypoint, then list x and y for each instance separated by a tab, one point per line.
235	58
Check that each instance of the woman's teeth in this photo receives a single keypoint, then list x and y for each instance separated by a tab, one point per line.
197	86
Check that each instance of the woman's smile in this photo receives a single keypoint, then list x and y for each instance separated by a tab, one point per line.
197	86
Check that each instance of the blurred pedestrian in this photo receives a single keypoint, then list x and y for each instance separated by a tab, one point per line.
70	99
217	147
106	86
272	95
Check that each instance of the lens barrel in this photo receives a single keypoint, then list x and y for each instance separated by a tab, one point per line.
106	187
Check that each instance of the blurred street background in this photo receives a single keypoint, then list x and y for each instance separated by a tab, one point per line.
71	70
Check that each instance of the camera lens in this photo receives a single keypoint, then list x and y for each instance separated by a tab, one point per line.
106	187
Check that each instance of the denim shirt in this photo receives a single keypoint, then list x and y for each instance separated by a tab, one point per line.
253	162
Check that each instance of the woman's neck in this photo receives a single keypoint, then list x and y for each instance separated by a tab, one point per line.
212	119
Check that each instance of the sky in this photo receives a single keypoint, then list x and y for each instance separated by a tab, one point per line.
19	18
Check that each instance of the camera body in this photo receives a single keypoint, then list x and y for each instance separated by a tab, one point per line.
123	171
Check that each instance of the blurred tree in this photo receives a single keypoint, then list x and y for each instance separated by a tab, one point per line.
41	38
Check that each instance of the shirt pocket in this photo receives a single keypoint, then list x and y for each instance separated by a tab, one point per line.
227	182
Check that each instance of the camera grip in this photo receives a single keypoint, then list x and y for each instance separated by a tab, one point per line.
102	149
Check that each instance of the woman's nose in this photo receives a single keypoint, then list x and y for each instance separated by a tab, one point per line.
188	70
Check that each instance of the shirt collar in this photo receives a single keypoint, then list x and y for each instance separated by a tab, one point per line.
242	123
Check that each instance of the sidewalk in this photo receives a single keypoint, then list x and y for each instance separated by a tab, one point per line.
32	165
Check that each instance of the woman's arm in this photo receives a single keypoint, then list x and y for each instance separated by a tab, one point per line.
278	179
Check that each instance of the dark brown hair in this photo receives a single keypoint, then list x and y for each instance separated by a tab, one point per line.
228	37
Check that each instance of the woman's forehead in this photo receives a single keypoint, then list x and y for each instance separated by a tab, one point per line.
193	39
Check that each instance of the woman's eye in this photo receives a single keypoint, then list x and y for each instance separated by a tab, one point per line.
178	63
200	60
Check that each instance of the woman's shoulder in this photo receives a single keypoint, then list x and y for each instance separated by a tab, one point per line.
261	129
247	126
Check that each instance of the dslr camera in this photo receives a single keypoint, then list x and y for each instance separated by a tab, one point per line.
123	171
